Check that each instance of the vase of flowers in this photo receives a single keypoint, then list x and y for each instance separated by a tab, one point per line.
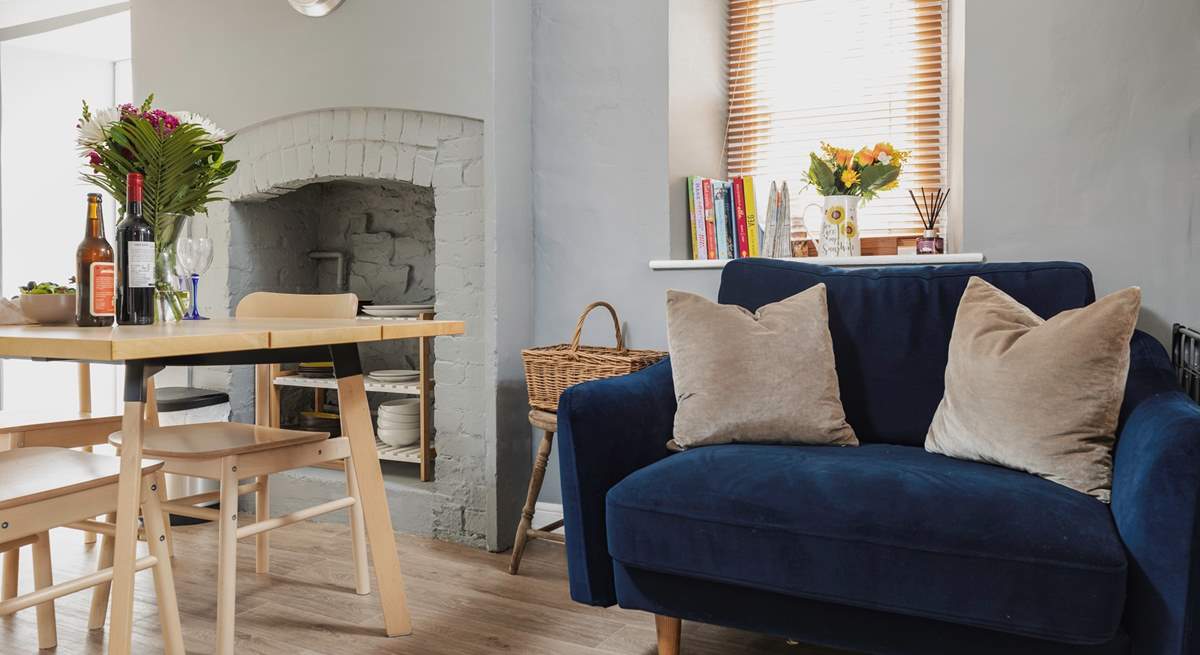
848	179
181	155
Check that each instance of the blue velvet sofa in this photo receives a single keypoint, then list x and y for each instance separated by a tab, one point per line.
886	548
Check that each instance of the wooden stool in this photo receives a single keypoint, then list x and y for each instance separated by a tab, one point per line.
525	531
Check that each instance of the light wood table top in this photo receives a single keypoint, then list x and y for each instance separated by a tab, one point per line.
223	335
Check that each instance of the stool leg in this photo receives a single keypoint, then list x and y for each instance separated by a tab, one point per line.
160	483
157	539
262	512
358	533
12	570
89	538
43	576
227	556
100	593
535	488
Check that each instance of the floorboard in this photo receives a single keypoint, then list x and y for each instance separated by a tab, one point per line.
463	602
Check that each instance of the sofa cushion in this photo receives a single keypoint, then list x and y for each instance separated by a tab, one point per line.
891	326
884	527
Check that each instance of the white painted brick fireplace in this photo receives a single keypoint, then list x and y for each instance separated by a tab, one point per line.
396	149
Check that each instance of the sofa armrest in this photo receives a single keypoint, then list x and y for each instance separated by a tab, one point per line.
607	430
1156	504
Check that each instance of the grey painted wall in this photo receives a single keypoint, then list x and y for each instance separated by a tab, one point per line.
1082	143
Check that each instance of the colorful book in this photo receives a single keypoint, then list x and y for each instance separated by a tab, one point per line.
710	218
722	222
730	221
695	205
739	212
751	215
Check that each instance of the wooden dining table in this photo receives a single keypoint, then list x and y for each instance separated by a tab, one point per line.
144	350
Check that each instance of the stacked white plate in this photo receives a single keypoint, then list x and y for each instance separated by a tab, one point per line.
395	311
394	376
400	422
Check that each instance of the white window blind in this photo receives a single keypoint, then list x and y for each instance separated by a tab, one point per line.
851	73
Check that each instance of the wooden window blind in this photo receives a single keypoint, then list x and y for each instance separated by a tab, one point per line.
848	72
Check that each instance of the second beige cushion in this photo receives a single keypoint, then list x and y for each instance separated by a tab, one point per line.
765	377
1040	396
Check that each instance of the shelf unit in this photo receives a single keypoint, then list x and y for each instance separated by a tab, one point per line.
270	377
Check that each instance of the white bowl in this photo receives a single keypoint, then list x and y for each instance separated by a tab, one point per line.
399	437
385	422
401	405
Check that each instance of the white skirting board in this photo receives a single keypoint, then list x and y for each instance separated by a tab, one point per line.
544	513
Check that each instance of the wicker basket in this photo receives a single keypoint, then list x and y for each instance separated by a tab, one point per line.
549	370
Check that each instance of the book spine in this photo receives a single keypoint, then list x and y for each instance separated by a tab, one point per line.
710	218
697	201
730	221
739	211
751	215
691	217
720	219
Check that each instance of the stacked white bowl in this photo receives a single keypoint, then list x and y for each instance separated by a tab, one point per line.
400	422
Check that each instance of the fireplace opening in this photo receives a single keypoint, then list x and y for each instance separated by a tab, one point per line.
373	238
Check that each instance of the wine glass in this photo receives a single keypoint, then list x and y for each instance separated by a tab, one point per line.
194	255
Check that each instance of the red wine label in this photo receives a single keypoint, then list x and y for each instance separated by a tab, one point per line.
139	265
104	289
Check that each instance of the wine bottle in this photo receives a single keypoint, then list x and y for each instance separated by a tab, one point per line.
135	259
95	273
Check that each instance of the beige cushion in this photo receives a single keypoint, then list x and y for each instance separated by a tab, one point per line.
1040	396
766	377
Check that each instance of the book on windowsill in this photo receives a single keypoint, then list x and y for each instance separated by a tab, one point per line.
723	218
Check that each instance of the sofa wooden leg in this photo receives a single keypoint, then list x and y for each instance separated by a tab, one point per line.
668	629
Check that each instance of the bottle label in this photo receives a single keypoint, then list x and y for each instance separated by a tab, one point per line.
104	289
139	264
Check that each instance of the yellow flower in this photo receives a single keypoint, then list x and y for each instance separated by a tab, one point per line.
849	177
849	229
890	185
866	157
835	214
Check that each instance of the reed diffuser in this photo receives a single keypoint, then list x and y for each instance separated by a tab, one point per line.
930	210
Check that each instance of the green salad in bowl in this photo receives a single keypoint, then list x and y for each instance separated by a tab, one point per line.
48	303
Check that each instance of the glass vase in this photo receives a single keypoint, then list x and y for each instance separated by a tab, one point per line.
169	299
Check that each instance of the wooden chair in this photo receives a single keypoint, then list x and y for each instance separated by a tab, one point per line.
66	429
46	488
229	452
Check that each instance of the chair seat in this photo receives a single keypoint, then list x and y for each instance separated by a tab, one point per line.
31	475
883	527
212	440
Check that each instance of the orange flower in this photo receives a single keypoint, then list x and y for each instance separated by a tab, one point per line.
866	157
843	157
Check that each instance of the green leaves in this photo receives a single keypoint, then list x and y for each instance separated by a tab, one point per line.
821	176
875	177
183	169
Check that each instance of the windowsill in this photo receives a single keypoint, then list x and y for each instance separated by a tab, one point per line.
863	260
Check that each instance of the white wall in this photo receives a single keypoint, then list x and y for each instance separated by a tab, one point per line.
1082	142
244	62
42	200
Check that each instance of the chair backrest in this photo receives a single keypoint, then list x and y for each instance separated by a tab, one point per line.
265	304
891	326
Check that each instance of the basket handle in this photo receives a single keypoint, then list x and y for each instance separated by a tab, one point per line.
582	317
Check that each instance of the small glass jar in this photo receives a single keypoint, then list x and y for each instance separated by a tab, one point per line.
930	243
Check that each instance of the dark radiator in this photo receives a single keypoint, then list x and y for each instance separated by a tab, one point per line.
1185	355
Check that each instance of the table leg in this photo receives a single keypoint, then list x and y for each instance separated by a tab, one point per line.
120	630
356	425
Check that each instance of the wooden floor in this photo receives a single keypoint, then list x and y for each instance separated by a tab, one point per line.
463	602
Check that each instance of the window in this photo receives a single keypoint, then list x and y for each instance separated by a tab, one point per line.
848	72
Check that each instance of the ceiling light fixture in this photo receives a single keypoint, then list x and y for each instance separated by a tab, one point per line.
315	8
